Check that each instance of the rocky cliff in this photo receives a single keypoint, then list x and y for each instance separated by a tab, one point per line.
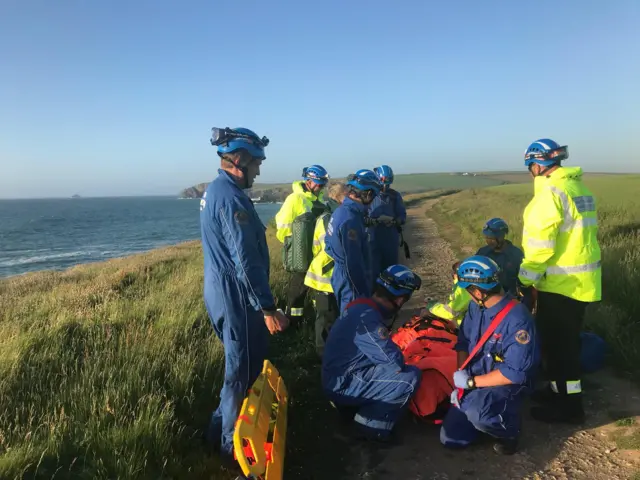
266	193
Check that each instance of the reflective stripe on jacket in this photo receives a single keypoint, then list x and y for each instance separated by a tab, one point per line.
299	202
317	278
456	306
561	251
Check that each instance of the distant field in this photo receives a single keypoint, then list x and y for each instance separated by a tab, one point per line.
460	218
423	182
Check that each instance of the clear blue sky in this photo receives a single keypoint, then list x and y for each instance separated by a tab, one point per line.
118	97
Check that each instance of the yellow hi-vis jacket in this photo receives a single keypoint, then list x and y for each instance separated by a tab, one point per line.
456	306
299	202
319	274
559	239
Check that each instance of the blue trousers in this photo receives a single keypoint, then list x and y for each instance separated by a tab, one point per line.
245	338
342	287
385	249
380	394
494	410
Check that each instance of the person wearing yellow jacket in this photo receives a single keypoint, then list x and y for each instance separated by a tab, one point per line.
454	309
307	196
318	277
562	261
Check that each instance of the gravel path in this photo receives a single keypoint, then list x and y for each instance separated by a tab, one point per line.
546	452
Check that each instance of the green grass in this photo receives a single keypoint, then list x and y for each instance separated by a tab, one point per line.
461	216
112	370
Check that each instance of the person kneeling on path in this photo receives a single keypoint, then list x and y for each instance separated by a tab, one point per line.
503	252
363	371
347	242
387	214
307	196
318	277
498	354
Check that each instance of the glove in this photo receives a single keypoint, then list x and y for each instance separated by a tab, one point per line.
454	398
522	289
525	294
460	379
386	219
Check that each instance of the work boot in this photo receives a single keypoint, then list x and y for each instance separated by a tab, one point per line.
345	413
544	396
506	446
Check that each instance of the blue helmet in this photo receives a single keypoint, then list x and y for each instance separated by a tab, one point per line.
545	152
364	180
495	228
384	174
228	140
478	271
398	280
315	173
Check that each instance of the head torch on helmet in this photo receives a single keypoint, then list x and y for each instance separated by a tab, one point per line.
220	136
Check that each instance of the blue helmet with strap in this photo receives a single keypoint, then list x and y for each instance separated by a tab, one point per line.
228	140
384	174
398	280
545	152
315	173
478	271
495	228
364	180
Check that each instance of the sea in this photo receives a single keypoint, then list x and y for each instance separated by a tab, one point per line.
56	234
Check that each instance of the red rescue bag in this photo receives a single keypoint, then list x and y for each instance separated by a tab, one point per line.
428	344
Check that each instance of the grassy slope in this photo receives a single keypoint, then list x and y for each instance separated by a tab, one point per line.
109	371
461	216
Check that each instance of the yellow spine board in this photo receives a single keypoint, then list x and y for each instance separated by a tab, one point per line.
267	399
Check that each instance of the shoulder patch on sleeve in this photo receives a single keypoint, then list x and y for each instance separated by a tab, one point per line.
352	234
383	333
523	337
241	217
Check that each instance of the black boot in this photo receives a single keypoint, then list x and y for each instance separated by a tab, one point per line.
543	396
506	446
565	409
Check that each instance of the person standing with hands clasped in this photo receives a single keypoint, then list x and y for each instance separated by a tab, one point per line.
236	276
497	357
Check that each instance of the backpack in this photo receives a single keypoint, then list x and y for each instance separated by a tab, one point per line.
428	344
298	248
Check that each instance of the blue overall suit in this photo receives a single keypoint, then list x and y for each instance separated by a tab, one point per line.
514	350
385	240
236	288
347	243
362	367
508	259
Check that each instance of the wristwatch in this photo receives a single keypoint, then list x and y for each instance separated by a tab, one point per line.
471	383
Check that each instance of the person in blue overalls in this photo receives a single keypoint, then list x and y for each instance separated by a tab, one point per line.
503	252
500	373
237	295
347	241
363	371
387	214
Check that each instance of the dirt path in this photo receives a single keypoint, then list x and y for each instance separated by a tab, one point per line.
546	452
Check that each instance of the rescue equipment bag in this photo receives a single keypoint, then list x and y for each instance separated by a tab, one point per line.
428	344
298	247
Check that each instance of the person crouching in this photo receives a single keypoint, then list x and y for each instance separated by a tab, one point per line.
495	368
363	371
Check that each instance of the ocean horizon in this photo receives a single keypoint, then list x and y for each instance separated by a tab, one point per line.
58	233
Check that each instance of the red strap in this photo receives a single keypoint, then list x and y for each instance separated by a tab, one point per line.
492	328
364	301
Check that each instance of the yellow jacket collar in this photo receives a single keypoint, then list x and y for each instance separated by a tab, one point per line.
298	187
559	174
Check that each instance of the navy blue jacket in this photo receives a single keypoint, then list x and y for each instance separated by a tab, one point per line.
234	245
513	348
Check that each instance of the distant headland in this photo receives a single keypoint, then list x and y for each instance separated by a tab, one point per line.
260	193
